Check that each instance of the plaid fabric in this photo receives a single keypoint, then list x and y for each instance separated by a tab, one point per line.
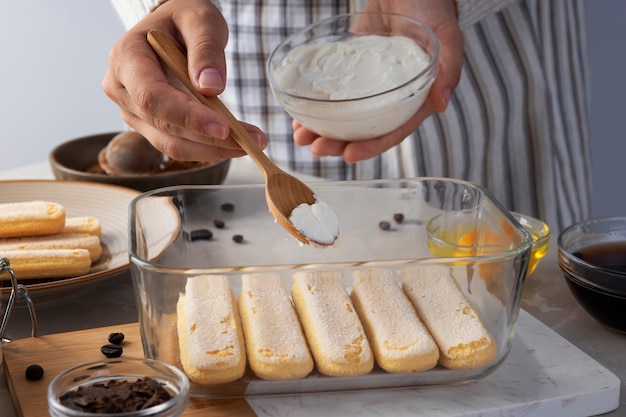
256	27
517	123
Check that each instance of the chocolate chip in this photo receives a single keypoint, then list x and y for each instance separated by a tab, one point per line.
112	351
116	396
116	338
34	372
398	217
219	224
228	207
384	225
238	238
198	234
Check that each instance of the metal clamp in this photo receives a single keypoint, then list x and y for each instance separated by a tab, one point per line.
19	292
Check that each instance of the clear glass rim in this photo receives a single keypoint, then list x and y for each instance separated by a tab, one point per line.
431	64
525	245
568	254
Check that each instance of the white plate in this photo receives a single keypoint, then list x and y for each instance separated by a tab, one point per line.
108	203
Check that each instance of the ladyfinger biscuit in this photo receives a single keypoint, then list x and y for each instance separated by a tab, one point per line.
30	218
398	337
463	340
210	337
56	241
84	224
48	263
335	334
275	344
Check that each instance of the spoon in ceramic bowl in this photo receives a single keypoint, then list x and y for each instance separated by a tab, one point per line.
285	194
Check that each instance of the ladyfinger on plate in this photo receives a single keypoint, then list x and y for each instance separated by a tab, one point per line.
48	263
463	340
335	334
56	241
83	224
275	344
210	337
30	218
398	337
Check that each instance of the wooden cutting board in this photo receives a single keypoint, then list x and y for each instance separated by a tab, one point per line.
58	352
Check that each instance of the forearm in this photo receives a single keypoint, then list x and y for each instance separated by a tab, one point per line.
132	11
471	11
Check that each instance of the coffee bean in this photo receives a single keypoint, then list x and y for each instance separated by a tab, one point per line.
384	225
198	234
238	238
219	224
34	372
398	217
116	338
111	351
228	207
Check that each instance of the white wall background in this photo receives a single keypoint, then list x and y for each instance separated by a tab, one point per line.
54	55
607	55
53	58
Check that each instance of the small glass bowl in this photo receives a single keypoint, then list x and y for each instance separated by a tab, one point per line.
540	233
592	256
129	369
363	117
455	235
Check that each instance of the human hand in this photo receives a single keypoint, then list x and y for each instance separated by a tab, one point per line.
441	17
155	104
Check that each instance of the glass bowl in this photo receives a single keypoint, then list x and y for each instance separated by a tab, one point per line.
456	234
122	370
347	102
198	249
592	256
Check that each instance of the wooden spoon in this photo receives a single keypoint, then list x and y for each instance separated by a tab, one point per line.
283	192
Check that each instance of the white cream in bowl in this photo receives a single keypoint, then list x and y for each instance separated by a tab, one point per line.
354	89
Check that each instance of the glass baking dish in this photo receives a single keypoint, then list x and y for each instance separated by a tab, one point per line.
180	235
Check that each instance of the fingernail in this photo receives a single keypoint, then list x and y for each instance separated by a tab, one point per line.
210	78
215	130
446	97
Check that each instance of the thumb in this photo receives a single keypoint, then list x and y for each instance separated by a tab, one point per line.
205	53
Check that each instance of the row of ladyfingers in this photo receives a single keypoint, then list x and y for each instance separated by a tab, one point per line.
40	241
410	327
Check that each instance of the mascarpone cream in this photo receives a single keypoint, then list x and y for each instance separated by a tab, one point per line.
359	67
316	221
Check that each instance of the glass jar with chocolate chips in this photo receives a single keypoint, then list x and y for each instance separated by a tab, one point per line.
126	387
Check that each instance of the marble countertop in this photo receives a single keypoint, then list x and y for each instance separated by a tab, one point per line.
559	354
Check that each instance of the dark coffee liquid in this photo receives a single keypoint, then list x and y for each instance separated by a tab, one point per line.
611	255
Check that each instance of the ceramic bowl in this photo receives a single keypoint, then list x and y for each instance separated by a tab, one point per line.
62	401
76	159
592	255
371	112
